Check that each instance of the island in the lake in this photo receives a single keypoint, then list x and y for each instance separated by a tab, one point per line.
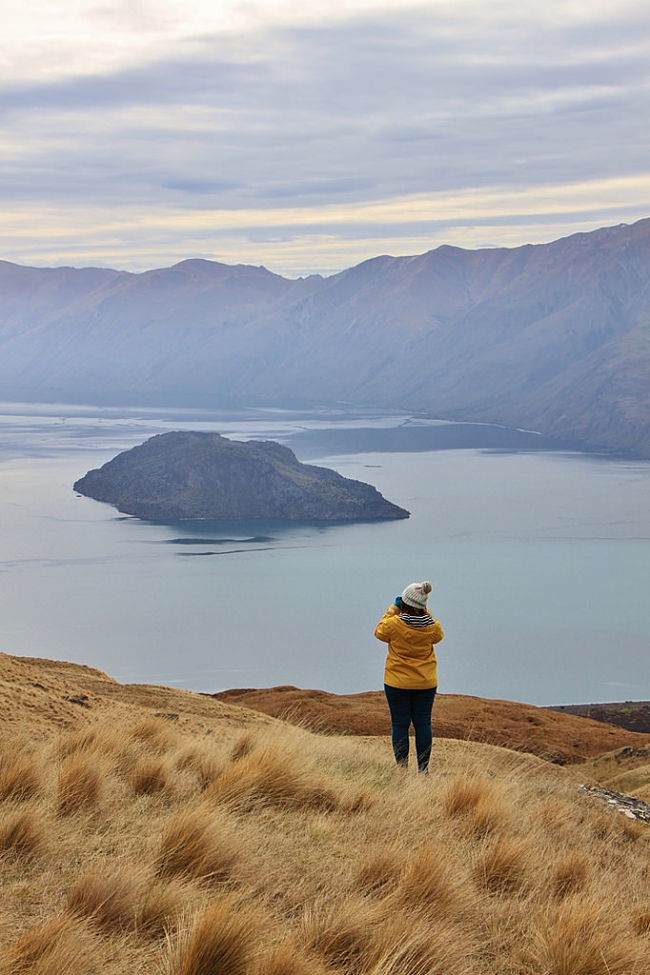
203	476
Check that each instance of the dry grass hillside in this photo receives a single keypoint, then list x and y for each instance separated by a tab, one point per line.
556	736
150	831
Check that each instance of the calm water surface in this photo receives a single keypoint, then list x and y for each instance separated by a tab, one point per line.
540	561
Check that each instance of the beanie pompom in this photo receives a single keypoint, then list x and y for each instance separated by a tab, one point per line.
426	587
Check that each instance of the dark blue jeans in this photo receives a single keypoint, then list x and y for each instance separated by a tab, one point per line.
411	707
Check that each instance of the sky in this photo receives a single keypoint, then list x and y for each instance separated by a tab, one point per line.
308	137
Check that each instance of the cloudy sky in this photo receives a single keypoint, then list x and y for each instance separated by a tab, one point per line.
309	136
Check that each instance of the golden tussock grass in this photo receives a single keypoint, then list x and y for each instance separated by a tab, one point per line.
152	775
81	783
582	937
433	881
378	874
60	946
288	959
409	948
108	898
222	940
343	935
23	832
570	872
225	842
161	906
158	734
21	772
502	865
199	844
266	773
478	804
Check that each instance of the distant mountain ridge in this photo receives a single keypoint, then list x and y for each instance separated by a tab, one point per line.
552	337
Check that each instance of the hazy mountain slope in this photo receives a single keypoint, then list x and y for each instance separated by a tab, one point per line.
552	337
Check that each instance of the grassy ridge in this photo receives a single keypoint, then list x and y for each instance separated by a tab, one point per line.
145	830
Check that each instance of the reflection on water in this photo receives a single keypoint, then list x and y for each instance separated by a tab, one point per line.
540	560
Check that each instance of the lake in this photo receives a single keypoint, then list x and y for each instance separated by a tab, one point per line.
539	555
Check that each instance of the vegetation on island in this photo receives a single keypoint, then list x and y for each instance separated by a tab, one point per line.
151	830
196	476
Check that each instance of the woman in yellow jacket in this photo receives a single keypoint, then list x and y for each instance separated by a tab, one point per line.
410	677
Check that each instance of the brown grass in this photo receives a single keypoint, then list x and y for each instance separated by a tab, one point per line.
332	861
60	946
584	938
151	776
108	898
23	833
502	866
21	773
431	880
570	872
199	844
220	941
477	803
379	873
412	949
266	775
342	934
287	959
161	907
81	784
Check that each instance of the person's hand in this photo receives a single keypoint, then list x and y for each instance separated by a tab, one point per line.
398	601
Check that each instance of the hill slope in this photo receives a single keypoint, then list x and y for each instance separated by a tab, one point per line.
554	337
148	829
562	738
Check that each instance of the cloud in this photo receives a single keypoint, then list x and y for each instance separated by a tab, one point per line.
247	128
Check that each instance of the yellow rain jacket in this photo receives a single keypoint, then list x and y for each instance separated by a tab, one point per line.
411	662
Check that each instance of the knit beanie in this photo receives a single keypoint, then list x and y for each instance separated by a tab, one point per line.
416	594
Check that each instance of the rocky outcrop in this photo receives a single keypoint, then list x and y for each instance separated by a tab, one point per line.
196	476
632	807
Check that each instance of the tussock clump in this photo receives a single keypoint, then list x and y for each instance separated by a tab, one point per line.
221	941
161	907
205	765
569	873
342	934
157	734
81	784
584	938
61	946
21	773
501	867
379	874
273	776
23	833
641	922
478	803
108	898
433	881
288	960
198	845
408	949
103	738
152	775
242	747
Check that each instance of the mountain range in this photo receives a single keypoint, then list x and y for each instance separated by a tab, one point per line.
552	337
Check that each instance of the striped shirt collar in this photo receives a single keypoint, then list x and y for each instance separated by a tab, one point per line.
413	619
